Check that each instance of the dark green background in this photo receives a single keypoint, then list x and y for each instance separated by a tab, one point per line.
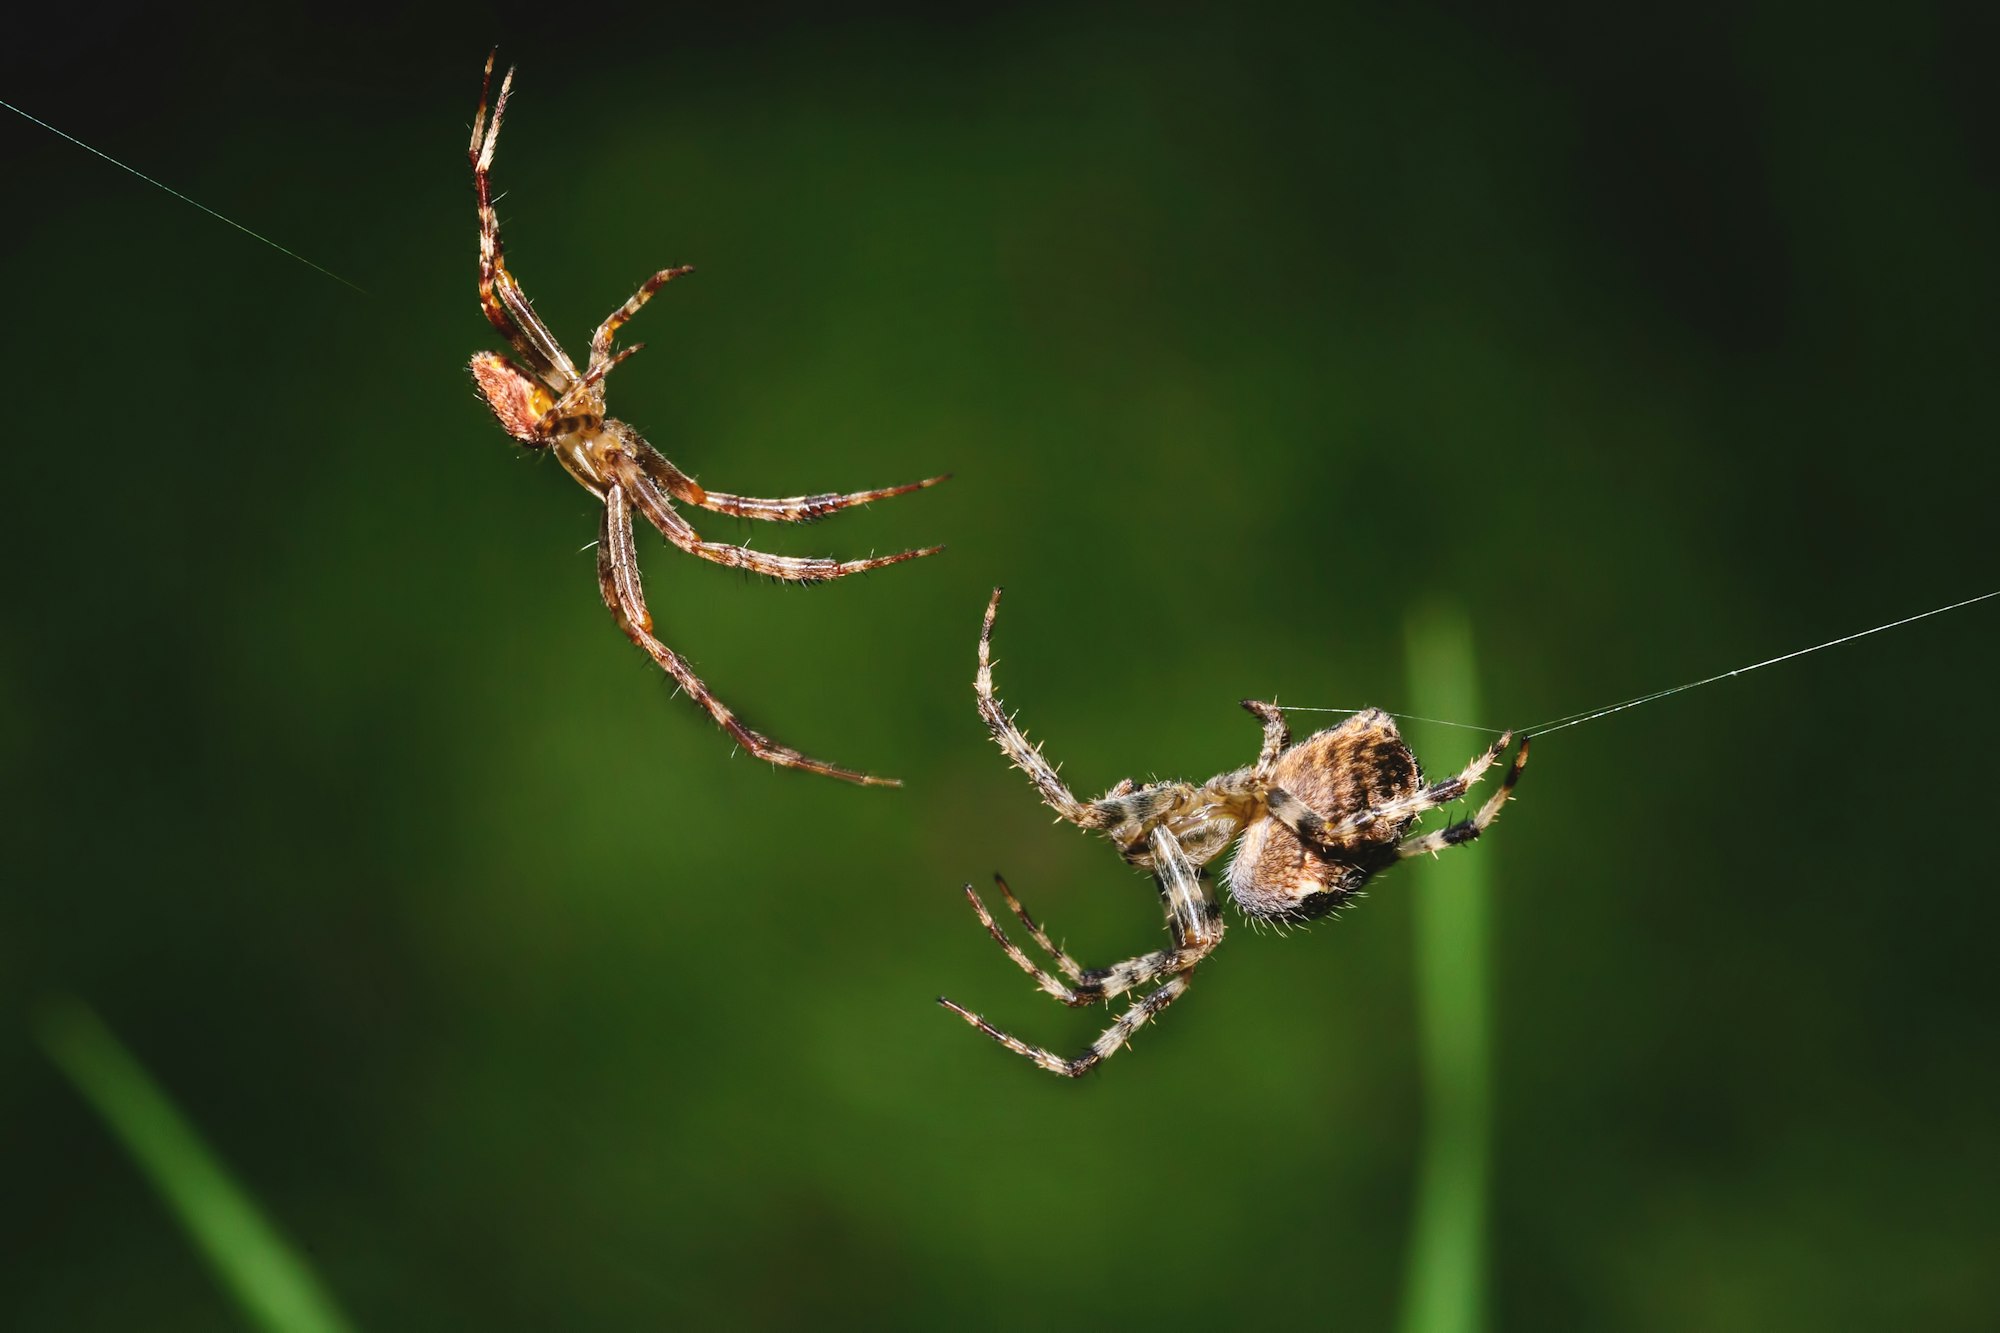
1660	344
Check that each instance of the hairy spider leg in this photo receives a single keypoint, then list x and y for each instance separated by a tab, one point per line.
658	509
1014	743
1277	735
1071	968
1107	1044
1196	925
796	509
1295	815
1468	829
506	306
618	579
1092	985
807	508
596	374
1223	803
600	342
1085	992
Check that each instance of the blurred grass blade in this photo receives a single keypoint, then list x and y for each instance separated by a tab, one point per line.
1445	1289
274	1286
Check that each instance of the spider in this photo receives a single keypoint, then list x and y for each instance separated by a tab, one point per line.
549	405
1311	823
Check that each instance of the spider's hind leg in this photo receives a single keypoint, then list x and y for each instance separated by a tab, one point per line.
1013	742
1465	830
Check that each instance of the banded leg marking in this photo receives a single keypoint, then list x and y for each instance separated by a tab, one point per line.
618	580
1014	743
500	296
1107	1043
659	511
1468	829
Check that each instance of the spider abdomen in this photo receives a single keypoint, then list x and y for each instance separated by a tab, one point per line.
1360	765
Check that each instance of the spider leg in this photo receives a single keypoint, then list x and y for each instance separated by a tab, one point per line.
618	578
1246	788
1107	1043
1295	815
1192	915
1468	829
1090	985
600	342
1192	918
1071	968
651	461
659	511
506	306
595	375
807	508
1014	743
1131	812
793	509
1277	735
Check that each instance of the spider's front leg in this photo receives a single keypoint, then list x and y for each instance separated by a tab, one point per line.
1196	925
505	304
1013	742
601	360
618	578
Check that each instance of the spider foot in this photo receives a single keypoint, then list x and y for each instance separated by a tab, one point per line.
1086	992
1048	1060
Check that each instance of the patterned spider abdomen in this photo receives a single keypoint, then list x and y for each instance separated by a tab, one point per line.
515	396
1359	765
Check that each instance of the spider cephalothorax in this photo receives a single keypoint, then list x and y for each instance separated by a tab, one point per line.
549	404
1311	823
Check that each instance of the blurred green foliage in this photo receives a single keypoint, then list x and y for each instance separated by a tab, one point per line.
1661	343
1451	911
251	1259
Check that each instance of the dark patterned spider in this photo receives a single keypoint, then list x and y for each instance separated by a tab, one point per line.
549	405
1311	823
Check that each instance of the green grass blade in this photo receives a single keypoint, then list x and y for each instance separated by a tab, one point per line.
273	1285
1445	1289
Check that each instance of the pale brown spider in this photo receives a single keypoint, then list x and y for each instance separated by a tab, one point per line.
551	406
1312	823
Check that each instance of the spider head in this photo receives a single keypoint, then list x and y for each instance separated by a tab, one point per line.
1359	765
517	398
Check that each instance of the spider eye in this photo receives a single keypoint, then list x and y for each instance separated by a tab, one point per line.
517	399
